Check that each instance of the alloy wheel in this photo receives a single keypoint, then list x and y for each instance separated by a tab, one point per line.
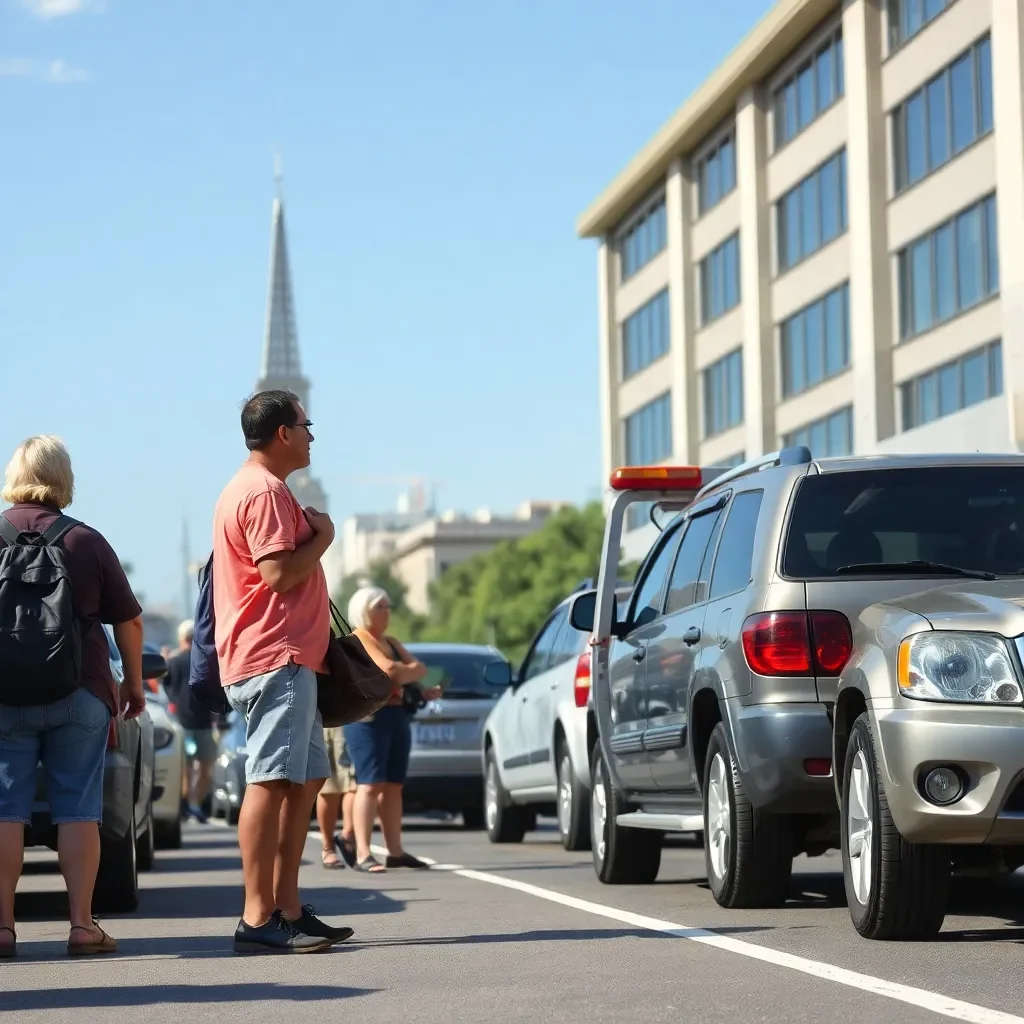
565	795
719	823
860	828
599	811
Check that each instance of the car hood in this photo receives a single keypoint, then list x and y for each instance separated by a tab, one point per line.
996	607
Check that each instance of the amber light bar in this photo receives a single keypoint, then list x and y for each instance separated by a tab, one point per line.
656	478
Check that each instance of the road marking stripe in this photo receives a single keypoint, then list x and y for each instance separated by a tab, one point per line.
933	1001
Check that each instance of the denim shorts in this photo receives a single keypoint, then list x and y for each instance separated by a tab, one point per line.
284	733
379	746
69	737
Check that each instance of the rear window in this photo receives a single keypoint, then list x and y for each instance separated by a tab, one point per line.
460	674
966	516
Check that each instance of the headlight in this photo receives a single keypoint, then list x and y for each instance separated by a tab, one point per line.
162	737
975	668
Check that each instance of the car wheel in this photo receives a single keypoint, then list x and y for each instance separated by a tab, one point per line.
473	818
505	822
622	856
748	854
895	889
117	881
168	835
573	807
145	847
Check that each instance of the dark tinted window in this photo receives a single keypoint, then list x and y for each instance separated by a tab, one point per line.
647	605
968	516
568	644
537	660
458	673
736	552
682	587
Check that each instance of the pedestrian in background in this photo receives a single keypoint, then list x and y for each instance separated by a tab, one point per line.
379	745
272	629
338	795
68	736
196	720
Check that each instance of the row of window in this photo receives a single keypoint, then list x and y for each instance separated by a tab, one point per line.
943	117
831	435
645	335
816	342
720	280
812	213
723	394
716	174
649	432
645	238
965	381
908	17
814	87
953	267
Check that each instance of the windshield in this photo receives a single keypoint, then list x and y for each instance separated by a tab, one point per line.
967	517
458	673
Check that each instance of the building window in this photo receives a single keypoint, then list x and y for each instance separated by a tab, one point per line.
716	174
649	433
720	280
908	17
944	116
643	239
723	394
732	461
831	435
816	342
813	213
953	386
815	86
645	335
952	268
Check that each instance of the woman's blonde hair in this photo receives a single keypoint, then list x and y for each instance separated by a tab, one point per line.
40	471
361	602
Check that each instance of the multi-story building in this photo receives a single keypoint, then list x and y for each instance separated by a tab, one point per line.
821	246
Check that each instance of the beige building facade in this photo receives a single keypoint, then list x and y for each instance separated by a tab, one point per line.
820	247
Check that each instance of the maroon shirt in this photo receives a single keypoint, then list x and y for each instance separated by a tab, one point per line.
100	592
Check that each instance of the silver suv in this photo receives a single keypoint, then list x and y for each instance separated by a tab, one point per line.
714	695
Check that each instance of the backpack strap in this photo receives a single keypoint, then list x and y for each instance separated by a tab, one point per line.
10	534
55	531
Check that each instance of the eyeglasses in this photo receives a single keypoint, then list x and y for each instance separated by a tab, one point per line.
307	424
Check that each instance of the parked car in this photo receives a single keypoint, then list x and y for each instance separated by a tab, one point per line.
229	770
169	767
127	831
444	765
536	749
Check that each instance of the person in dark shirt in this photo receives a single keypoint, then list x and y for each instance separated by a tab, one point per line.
68	736
197	721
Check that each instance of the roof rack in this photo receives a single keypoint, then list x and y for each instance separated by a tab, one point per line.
798	455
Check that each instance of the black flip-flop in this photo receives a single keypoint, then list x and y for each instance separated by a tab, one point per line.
347	849
371	866
407	860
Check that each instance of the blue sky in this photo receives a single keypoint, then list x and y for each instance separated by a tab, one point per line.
436	156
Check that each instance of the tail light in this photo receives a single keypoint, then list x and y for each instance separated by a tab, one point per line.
112	734
797	643
581	681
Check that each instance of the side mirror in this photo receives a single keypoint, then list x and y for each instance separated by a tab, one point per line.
498	674
583	611
153	665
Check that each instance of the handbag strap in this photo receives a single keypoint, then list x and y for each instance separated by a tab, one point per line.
338	620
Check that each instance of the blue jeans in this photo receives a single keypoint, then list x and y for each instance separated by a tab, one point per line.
69	736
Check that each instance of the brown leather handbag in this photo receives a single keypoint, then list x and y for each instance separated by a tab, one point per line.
353	685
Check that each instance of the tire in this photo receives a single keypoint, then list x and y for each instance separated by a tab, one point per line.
895	889
505	822
117	881
622	856
748	854
473	818
573	803
145	847
168	836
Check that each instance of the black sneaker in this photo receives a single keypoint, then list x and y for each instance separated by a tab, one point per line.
310	924
278	935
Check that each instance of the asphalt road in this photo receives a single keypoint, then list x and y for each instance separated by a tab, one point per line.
511	933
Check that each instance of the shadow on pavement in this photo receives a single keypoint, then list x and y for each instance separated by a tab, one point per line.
116	995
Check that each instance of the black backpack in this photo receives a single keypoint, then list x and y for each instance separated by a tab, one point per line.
40	635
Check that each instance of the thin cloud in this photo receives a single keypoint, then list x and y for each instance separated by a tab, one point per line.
54	72
47	10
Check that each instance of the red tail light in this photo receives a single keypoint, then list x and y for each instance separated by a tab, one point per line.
112	734
581	681
780	643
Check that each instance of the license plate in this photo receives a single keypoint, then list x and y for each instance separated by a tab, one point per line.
435	735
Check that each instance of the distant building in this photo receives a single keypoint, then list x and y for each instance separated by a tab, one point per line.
368	538
423	553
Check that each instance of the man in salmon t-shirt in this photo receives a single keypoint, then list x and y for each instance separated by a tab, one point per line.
272	629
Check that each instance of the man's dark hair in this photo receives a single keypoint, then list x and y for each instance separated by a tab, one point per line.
264	413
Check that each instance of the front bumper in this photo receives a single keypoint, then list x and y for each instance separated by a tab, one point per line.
986	744
771	743
167	780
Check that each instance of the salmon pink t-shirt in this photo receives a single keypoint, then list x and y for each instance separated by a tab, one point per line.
258	631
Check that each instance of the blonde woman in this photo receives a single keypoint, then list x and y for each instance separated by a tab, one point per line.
69	735
379	745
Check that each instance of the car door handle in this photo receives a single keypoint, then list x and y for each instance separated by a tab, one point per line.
691	636
639	654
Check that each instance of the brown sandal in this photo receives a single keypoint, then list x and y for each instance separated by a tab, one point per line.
9	949
105	944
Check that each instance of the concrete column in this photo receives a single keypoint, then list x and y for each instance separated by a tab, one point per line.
1008	115
681	306
872	334
608	362
759	388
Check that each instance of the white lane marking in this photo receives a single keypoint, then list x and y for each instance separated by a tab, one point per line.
946	1006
